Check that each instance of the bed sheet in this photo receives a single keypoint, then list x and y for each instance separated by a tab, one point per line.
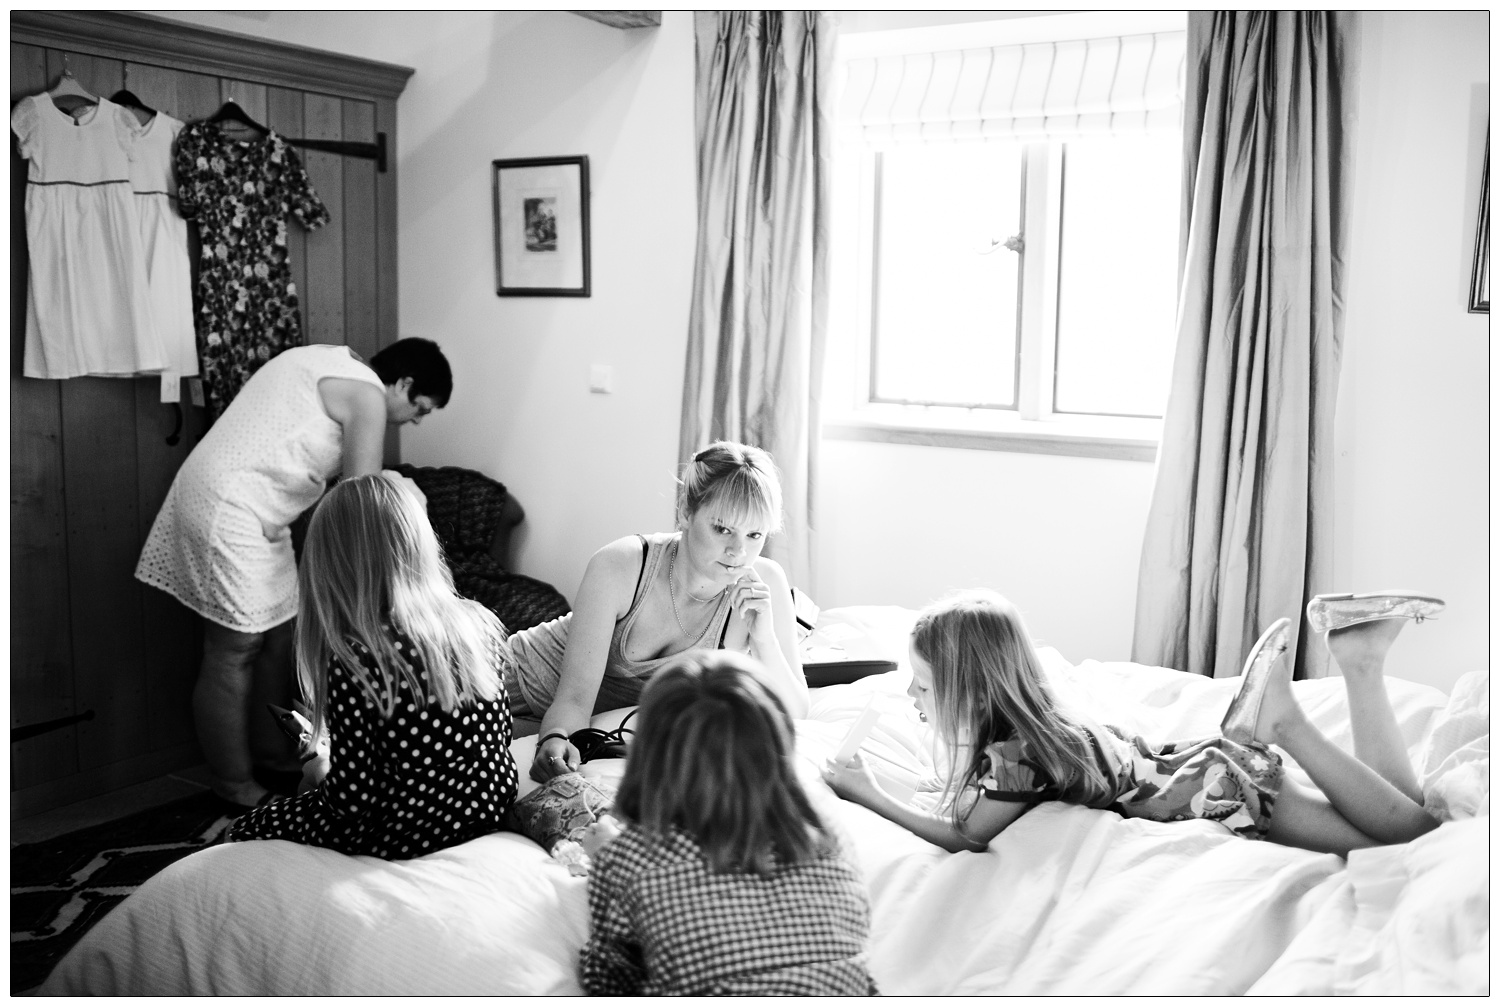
1067	900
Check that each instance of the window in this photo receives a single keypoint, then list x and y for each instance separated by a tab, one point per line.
1005	270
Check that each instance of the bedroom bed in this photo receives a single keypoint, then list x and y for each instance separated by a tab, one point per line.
1068	900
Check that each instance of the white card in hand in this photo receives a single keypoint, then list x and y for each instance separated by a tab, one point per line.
863	725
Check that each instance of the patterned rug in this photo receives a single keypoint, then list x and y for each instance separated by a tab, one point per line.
61	887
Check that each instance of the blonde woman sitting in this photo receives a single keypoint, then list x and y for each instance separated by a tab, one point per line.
645	599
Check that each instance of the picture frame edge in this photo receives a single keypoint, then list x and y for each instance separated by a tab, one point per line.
585	199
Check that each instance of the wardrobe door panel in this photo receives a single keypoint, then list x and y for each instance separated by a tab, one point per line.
41	645
385	226
361	296
284	115
323	119
99	473
385	249
168	630
198	96
99	468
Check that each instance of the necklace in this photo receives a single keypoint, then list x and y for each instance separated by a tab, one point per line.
672	593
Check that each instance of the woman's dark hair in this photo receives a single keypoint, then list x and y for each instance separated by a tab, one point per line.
713	756
420	360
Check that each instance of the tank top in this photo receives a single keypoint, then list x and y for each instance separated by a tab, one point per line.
537	652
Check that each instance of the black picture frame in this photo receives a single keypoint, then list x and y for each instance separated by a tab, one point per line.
542	226
1479	278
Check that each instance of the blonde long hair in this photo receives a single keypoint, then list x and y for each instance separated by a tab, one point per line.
371	557
988	686
740	478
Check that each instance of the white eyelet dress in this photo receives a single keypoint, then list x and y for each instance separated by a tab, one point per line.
221	542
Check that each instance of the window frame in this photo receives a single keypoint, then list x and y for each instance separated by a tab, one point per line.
1033	425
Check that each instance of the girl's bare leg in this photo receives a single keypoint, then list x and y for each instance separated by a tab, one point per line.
1305	819
1360	653
1363	798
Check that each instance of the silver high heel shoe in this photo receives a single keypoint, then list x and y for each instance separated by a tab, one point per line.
1244	710
1338	611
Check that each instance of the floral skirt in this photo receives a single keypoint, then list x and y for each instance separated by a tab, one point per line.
1215	778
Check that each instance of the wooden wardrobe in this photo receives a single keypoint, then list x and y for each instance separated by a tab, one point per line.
102	667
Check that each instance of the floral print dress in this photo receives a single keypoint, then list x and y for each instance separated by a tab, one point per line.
1213	778
241	192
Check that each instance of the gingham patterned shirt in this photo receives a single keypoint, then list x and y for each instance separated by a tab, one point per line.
665	923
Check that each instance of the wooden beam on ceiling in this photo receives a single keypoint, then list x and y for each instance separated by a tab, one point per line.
623	18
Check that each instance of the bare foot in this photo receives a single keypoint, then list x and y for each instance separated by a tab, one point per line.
1279	709
1362	647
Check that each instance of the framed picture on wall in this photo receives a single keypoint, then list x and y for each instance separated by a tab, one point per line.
542	227
1479	280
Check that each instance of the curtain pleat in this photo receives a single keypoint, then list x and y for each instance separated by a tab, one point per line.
1239	531
759	311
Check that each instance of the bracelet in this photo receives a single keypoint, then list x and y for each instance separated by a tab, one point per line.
549	736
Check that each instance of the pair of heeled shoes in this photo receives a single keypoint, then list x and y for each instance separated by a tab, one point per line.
1326	613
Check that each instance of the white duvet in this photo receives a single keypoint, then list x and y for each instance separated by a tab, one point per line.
1067	900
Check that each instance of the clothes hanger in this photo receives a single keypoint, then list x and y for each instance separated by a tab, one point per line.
128	99
68	94
231	112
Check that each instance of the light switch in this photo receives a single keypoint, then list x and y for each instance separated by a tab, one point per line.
601	379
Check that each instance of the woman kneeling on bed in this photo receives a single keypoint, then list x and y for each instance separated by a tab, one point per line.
404	676
977	678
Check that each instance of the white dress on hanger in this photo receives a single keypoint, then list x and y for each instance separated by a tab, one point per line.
87	307
164	247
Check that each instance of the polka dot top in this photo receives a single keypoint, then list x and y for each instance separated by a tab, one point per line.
424	780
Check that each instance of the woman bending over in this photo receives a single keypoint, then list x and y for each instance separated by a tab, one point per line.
403	675
724	880
977	678
645	599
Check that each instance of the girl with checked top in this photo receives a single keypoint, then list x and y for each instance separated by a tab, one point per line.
724	879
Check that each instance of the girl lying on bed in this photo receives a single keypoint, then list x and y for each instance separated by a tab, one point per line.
404	675
977	678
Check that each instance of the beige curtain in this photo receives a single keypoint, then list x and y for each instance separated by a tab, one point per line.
1239	531
759	315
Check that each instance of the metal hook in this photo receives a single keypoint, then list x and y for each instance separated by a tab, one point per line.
176	435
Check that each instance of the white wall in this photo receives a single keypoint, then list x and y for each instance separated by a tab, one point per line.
588	468
1413	426
1060	537
902	524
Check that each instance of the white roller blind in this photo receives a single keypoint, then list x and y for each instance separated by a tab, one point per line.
1120	84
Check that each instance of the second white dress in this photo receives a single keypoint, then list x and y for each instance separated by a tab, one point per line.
164	249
